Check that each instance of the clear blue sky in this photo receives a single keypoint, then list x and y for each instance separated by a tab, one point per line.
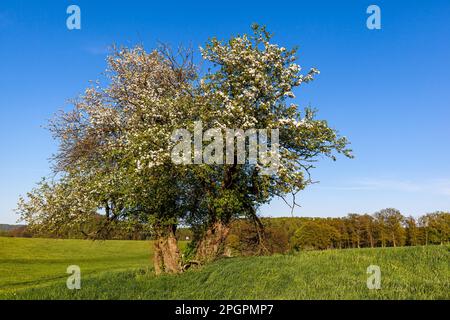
387	90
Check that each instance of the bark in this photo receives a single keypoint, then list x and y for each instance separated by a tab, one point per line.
158	262
371	239
262	249
167	257
393	240
212	244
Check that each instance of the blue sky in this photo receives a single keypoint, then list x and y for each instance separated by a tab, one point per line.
387	90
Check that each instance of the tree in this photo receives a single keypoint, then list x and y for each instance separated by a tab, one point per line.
412	232
53	207
114	153
249	86
354	229
116	145
368	226
436	227
315	235
390	226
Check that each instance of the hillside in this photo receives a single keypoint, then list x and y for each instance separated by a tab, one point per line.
9	227
119	270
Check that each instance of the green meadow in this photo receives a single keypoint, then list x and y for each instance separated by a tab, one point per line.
36	269
26	263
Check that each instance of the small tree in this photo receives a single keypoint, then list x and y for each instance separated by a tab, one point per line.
436	227
412	232
390	224
315	235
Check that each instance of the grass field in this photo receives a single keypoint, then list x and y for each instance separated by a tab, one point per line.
28	263
35	269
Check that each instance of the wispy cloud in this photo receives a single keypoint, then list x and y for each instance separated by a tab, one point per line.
391	184
98	50
432	186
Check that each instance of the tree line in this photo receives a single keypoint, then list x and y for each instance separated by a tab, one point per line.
386	228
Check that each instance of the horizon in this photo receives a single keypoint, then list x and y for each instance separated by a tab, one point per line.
386	90
291	216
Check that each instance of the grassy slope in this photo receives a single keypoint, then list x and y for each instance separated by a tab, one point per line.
407	273
30	262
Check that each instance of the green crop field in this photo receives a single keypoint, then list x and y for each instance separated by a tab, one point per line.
36	269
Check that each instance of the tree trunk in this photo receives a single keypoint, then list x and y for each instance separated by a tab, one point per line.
212	244
167	257
262	249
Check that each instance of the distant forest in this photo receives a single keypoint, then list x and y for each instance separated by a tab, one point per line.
386	228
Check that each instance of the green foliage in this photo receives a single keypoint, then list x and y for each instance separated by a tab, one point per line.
314	235
114	150
390	227
436	228
250	85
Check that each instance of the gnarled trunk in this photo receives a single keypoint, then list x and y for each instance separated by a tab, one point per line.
212	244
167	257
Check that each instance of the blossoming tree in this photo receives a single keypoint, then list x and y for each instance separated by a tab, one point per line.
115	145
249	86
